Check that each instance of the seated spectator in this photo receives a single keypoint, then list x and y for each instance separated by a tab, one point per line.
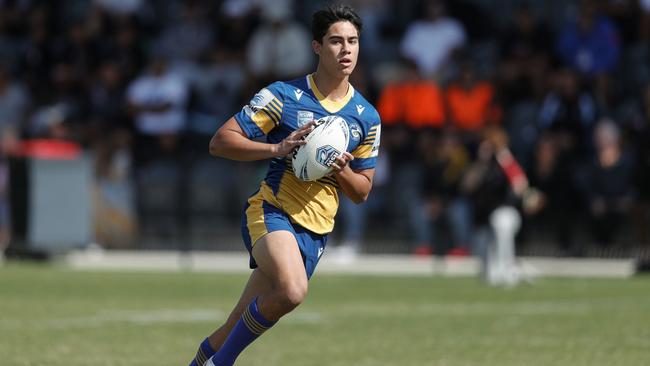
445	162
190	36
157	100
107	100
568	113
158	103
591	46
279	47
63	114
524	52
413	101
125	48
552	173
432	41
638	135
472	105
607	183
409	108
14	101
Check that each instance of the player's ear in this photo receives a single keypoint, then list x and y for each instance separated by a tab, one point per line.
316	46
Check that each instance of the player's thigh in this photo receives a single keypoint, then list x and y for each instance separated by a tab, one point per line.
278	256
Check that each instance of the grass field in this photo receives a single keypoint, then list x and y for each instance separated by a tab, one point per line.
55	317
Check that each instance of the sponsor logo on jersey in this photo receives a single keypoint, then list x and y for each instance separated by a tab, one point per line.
259	101
360	108
326	155
304	117
355	131
298	93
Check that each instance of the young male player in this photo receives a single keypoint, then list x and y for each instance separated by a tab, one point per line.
286	222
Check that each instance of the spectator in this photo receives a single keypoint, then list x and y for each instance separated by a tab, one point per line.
409	109
374	14
638	136
525	51
107	101
432	41
63	114
124	46
472	105
279	48
14	102
37	58
445	162
607	183
552	173
568	113
189	37
591	46
414	101
158	99
238	20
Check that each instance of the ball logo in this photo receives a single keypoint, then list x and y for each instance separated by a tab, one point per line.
326	155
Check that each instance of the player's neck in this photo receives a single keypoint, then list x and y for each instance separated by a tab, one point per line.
332	88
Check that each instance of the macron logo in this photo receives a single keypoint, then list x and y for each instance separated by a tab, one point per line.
298	93
360	108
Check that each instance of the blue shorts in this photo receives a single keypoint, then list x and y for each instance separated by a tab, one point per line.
261	218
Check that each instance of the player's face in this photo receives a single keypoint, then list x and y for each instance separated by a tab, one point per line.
340	49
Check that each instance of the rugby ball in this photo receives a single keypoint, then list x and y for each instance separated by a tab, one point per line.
325	143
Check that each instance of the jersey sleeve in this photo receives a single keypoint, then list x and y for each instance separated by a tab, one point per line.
263	113
365	155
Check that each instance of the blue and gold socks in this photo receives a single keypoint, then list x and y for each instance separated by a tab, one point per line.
251	325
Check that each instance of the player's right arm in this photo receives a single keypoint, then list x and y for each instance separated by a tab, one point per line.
231	142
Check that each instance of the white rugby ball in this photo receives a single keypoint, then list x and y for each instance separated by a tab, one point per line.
325	143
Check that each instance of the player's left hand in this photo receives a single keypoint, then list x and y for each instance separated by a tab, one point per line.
341	162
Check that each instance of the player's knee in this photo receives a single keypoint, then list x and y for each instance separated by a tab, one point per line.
293	294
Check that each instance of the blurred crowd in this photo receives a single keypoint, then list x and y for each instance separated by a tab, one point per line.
142	86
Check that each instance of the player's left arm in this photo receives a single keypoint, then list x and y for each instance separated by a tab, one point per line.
356	184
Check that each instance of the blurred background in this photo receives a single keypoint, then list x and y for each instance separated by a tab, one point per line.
107	108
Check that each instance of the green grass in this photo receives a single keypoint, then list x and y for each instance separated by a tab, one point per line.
53	316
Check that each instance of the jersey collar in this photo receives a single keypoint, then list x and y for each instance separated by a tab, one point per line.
329	105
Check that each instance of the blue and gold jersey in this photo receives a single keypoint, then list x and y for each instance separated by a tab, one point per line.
283	107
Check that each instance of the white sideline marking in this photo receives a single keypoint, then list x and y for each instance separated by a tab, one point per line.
138	317
151	317
367	264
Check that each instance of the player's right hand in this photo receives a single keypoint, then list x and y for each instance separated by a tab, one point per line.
294	140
